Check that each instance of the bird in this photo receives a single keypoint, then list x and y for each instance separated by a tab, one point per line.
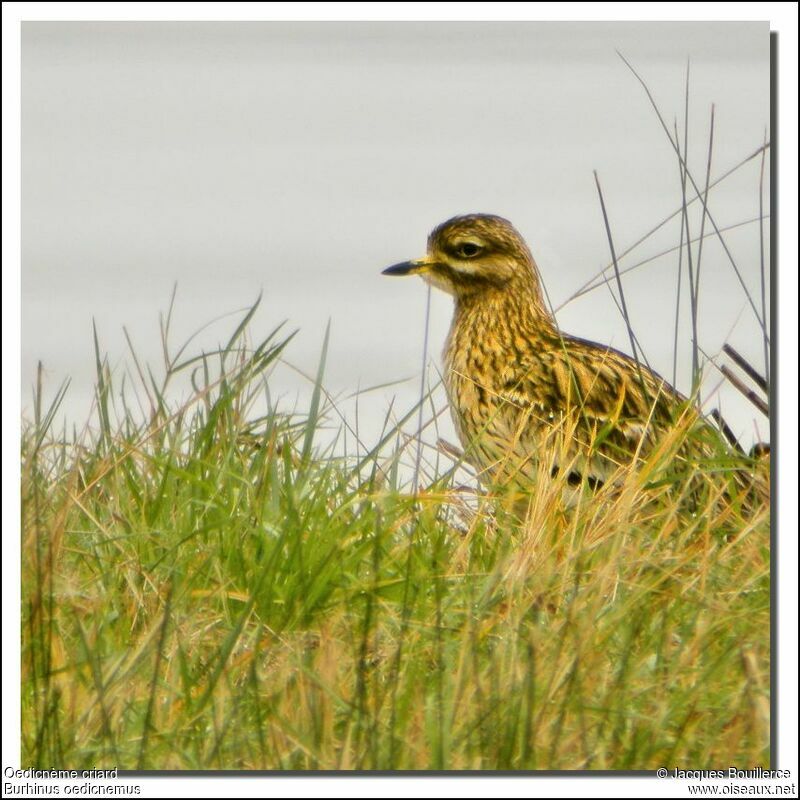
527	399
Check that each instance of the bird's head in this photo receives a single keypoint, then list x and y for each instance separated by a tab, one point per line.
473	255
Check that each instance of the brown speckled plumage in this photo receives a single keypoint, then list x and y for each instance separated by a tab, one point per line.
522	392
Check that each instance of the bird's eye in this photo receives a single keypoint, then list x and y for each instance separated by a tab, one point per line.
468	249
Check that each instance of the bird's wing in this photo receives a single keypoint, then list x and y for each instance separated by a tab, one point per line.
612	401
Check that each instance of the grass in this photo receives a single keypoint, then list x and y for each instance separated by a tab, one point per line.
213	589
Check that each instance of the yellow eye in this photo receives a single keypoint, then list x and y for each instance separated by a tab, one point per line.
468	250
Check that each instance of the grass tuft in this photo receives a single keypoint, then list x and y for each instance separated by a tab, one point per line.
208	587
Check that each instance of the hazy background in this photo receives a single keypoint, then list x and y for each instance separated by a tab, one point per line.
302	158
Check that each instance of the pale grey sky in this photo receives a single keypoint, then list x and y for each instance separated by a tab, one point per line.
302	158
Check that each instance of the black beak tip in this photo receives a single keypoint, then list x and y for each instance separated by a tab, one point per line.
398	269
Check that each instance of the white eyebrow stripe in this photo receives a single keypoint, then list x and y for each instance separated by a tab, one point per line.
467	267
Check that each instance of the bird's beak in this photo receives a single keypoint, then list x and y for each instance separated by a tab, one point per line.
410	267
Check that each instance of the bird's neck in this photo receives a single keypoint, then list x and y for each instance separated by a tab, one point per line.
496	323
505	312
